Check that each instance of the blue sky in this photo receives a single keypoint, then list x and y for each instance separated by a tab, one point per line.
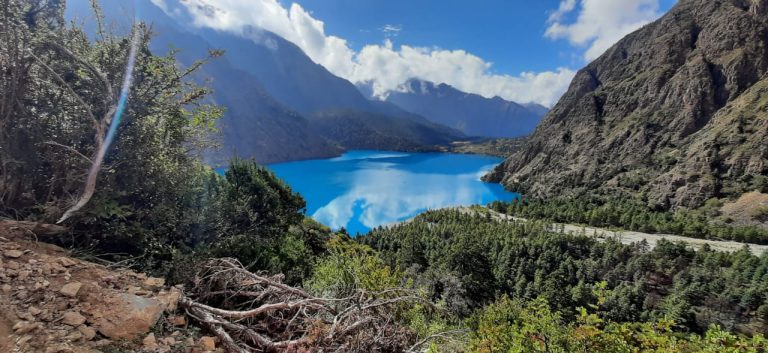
521	50
508	33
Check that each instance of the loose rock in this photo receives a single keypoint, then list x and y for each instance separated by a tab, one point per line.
154	283
13	254
23	327
177	320
34	311
207	343
72	318
71	289
89	333
66	262
149	341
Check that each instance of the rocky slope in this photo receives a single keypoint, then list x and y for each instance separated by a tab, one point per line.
677	110
51	302
472	114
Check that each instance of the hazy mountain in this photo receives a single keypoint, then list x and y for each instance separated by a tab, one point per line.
270	88
254	125
356	129
287	73
537	108
675	111
472	114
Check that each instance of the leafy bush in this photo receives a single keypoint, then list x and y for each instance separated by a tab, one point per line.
517	326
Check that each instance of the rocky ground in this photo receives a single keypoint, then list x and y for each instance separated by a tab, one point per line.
51	302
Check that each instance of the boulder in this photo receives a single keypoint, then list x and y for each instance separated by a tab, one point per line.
122	315
169	298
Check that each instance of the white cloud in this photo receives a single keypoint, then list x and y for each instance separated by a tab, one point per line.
387	68
385	65
391	30
600	23
566	6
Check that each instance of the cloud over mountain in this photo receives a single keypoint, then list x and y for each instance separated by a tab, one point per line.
600	23
385	65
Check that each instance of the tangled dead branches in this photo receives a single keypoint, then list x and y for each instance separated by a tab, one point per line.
255	313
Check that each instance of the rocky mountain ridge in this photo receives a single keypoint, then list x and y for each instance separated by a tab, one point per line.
677	111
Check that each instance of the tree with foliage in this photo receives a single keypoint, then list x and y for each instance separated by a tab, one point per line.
631	214
526	260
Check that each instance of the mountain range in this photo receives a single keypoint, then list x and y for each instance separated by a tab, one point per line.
472	114
280	105
676	112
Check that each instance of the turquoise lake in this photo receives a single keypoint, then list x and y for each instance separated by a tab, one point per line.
361	190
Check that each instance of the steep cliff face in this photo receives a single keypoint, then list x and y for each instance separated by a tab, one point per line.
677	110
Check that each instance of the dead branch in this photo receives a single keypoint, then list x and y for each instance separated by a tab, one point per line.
447	336
69	148
251	312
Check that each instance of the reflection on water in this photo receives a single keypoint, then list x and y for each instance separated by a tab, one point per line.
365	189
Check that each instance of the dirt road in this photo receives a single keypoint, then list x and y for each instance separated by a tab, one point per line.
628	237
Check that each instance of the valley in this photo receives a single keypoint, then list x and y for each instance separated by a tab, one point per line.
289	108
260	176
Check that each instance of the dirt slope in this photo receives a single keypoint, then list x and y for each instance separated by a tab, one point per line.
51	302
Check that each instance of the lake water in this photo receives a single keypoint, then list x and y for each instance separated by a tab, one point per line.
361	190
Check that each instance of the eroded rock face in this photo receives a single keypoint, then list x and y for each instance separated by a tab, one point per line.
675	110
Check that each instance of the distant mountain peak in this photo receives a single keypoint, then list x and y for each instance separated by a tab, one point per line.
471	113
